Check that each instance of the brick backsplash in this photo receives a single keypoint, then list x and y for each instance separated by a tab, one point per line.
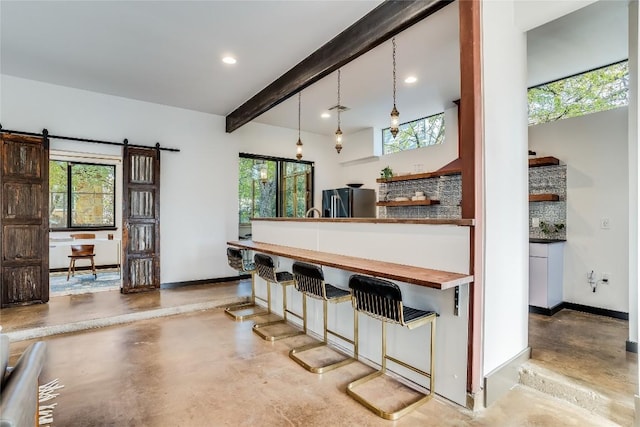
448	190
548	179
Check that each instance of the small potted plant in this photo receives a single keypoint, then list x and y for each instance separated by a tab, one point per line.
548	228
386	173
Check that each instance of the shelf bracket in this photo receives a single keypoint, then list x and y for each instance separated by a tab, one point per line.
456	301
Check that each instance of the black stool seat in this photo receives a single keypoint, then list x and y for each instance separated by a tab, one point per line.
333	292
413	314
284	276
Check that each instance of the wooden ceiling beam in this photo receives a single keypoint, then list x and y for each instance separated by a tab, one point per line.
376	27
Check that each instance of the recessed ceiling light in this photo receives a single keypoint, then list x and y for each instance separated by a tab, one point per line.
325	115
411	79
229	60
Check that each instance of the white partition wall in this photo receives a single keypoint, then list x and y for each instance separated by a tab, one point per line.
504	68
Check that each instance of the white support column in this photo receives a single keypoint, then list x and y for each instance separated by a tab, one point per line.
634	66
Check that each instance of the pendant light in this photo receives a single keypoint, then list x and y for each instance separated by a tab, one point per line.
263	173
299	143
339	131
395	115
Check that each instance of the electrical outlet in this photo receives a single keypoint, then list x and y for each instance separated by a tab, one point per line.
605	223
535	222
606	278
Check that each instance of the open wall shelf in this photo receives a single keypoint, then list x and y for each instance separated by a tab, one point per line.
425	175
409	203
544	198
543	161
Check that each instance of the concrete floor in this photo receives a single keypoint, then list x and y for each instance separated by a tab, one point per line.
201	368
582	357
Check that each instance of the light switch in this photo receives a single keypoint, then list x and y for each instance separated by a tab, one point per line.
535	222
605	223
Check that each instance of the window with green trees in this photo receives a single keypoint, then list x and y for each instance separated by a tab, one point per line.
81	195
415	134
597	90
273	187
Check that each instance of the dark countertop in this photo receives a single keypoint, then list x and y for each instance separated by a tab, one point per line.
532	240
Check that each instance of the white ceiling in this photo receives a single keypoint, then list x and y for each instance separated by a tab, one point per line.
169	52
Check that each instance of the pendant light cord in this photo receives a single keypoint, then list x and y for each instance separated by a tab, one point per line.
299	110
339	107
393	43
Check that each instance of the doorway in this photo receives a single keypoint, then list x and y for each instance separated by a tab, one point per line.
85	197
582	347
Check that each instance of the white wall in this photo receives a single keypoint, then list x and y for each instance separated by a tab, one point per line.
199	202
634	119
505	187
594	148
431	158
533	13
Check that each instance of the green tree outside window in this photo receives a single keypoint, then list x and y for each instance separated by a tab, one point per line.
415	134
590	92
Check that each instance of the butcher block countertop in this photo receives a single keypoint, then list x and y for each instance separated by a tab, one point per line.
461	222
437	279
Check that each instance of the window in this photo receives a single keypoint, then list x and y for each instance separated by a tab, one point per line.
598	90
271	187
81	195
418	133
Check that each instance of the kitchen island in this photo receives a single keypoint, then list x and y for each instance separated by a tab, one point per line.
415	247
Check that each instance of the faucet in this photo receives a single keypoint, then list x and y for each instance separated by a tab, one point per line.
310	211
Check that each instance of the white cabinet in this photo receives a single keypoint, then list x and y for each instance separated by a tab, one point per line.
545	274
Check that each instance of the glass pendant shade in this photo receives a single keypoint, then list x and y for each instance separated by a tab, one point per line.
395	121
299	149
263	173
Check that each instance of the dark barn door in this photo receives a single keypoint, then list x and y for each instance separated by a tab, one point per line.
141	220
24	226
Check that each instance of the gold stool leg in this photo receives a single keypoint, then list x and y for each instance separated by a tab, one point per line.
259	328
246	310
294	353
394	415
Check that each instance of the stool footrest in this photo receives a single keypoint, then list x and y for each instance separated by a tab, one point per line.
394	415
259	329
245	310
293	354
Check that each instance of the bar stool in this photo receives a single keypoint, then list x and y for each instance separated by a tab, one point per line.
309	280
382	300
266	269
249	309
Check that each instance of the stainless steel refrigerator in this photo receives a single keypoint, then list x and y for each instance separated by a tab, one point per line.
349	203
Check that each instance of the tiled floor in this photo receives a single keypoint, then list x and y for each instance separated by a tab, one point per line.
202	368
